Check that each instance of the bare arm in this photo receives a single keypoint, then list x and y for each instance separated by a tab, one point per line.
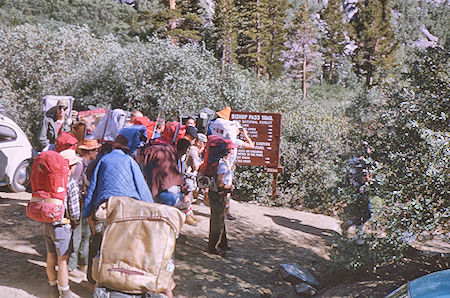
221	185
248	142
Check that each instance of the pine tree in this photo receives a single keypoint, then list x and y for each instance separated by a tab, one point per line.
179	20
276	12
372	33
226	24
333	40
300	57
253	31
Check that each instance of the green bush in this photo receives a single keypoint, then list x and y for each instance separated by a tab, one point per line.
102	16
406	126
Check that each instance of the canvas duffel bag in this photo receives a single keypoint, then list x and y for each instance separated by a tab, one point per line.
138	245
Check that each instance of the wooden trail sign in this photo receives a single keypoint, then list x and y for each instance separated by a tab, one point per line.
265	131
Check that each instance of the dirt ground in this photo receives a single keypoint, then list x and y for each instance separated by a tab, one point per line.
262	238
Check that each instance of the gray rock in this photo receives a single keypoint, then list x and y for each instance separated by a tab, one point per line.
296	274
304	289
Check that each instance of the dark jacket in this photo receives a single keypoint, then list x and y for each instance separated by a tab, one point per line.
160	167
49	129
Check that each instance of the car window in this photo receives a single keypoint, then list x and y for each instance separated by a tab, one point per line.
7	134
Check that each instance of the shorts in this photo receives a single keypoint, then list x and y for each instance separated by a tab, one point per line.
169	198
58	239
190	183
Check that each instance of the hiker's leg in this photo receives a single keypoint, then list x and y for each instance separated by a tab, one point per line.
63	271
84	245
49	236
227	208
217	220
63	246
223	244
94	245
76	239
51	264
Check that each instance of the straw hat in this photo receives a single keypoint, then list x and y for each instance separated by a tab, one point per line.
71	156
225	113
89	145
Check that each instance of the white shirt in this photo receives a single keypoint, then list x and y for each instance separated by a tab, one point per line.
224	168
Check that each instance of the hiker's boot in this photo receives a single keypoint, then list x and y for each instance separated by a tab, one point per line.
196	218
67	294
54	292
230	217
190	221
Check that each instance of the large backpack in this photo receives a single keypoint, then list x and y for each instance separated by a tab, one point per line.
215	150
173	132
49	176
108	127
205	116
137	247
225	128
149	125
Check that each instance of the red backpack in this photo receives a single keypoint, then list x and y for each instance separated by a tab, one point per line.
149	125
49	176
172	128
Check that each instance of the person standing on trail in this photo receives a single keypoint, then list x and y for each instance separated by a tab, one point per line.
116	174
161	164
88	151
359	211
217	166
245	143
58	235
53	124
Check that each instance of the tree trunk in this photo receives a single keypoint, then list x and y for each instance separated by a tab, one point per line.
258	42
330	73
304	76
173	22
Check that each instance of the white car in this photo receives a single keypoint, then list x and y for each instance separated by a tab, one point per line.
15	155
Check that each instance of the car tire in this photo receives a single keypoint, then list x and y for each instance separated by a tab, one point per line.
21	178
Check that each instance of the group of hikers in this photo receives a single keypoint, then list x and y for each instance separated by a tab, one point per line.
175	163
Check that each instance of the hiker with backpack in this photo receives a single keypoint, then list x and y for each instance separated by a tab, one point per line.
242	140
161	165
55	202
116	174
193	163
217	168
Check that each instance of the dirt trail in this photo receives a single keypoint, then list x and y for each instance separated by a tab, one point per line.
261	238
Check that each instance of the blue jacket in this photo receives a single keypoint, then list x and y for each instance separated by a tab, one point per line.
116	175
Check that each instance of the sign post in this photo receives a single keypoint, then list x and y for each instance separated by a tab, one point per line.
265	131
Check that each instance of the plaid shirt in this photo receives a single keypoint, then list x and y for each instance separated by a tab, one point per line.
73	200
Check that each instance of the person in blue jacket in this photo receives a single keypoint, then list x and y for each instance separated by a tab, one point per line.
116	175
